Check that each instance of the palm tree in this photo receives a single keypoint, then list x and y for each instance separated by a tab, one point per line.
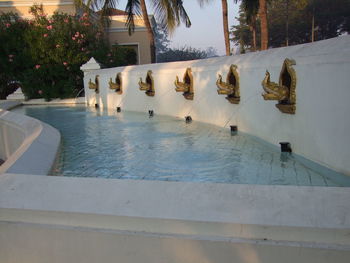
169	13
225	25
224	22
263	24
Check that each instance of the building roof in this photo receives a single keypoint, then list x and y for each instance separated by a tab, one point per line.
115	12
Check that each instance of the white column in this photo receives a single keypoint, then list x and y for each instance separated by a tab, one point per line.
88	68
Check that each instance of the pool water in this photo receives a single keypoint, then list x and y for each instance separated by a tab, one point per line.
130	145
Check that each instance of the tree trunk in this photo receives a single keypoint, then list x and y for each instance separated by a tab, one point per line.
263	23
149	31
225	24
253	30
313	25
287	23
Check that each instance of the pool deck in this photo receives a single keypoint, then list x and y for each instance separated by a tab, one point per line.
303	219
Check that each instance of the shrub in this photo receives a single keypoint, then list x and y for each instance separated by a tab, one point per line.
13	55
185	53
50	50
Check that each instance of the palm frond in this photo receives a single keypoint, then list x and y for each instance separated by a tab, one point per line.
170	13
204	2
132	8
95	5
183	14
165	14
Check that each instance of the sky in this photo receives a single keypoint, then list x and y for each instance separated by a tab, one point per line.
206	30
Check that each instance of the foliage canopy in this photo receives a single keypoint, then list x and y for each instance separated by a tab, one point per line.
292	22
45	54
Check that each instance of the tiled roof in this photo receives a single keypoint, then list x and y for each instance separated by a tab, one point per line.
116	12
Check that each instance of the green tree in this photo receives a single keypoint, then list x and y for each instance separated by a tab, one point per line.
308	20
185	53
251	8
45	54
331	17
161	40
240	33
245	33
289	23
13	55
294	22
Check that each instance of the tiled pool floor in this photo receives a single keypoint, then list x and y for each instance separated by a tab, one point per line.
131	145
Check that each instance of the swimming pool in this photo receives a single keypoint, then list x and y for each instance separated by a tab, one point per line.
130	145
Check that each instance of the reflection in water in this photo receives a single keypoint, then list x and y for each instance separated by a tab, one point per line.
131	145
284	157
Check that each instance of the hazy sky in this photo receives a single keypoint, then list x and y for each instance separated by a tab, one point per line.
206	30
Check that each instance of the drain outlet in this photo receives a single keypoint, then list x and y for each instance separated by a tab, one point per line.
286	147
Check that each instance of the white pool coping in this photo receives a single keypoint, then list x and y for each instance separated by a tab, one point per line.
78	100
279	213
39	143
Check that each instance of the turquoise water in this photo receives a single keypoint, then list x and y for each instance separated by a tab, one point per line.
131	145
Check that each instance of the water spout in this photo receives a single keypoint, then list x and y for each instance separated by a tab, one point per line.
286	147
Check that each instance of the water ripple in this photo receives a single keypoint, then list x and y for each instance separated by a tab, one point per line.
130	145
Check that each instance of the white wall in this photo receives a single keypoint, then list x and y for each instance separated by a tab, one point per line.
318	130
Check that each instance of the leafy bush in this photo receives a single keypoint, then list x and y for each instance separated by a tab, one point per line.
46	53
185	53
13	55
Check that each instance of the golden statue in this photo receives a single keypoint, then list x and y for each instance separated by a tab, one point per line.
231	86
186	86
95	85
273	91
148	86
284	91
117	85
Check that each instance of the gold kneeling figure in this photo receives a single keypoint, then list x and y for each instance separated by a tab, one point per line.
144	85
225	88
94	85
113	85
148	85
273	91
181	86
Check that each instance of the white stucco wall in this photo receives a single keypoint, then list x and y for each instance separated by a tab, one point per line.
318	130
